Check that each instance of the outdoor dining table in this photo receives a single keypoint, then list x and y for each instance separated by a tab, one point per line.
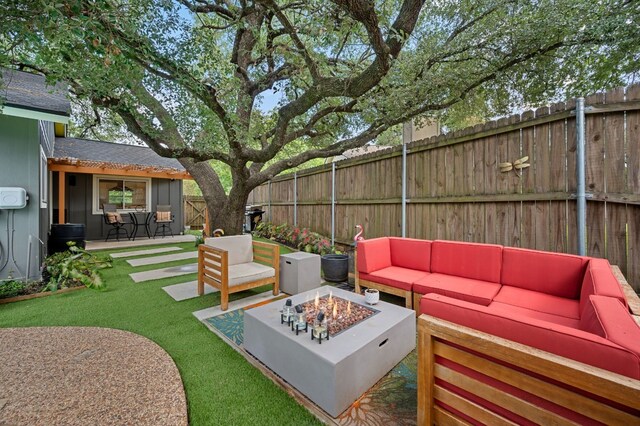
140	219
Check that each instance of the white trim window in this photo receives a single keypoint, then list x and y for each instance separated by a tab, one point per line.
44	180
128	194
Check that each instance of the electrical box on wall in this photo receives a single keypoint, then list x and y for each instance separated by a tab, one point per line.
13	198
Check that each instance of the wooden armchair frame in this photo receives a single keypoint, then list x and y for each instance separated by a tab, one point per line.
216	272
444	339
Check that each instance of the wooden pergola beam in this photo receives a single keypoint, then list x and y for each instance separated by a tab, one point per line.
127	171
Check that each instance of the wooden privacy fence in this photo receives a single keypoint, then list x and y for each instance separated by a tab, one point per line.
194	211
455	189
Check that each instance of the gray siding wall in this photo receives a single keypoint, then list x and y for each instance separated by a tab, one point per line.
20	167
79	199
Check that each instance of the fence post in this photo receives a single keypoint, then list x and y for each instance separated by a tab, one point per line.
581	197
333	203
404	190
270	215
295	198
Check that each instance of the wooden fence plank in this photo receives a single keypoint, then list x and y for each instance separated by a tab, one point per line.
633	138
594	141
595	229
542	223
617	235
542	154
528	146
633	265
558	144
614	142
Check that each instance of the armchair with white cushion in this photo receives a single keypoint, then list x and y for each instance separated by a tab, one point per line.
230	264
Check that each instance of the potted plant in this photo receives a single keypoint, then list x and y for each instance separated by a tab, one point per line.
335	267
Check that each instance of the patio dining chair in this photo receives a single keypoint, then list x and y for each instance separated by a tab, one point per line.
163	219
114	219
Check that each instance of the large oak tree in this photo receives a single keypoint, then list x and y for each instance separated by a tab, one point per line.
188	77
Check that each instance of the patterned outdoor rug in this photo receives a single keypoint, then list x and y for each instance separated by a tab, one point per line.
390	401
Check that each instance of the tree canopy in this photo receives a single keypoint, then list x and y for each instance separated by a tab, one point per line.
189	77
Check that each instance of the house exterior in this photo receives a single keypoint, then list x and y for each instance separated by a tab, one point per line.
87	174
29	112
67	179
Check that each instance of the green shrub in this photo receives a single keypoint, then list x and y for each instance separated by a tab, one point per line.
73	268
11	288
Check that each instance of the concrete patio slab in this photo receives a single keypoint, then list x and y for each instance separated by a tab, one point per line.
163	259
186	291
158	274
236	304
98	376
108	245
144	252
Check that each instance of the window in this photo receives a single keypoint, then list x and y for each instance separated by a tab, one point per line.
44	175
128	194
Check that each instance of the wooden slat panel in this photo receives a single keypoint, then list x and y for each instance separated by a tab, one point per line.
558	151
595	229
615	162
594	147
472	409
445	418
528	149
502	399
546	390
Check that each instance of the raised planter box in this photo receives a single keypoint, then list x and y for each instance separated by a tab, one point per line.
37	295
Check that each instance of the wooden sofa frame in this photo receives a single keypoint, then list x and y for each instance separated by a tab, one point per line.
444	339
216	273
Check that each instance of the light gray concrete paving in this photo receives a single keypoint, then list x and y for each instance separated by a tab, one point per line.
104	245
186	291
158	274
144	252
236	304
163	259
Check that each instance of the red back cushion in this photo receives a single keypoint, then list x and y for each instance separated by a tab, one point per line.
373	255
599	280
612	321
411	253
557	274
468	260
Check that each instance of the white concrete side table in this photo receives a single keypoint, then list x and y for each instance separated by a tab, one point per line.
299	271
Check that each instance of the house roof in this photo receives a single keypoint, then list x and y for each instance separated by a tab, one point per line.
91	156
27	91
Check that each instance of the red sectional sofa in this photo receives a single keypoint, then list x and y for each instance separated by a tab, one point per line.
569	305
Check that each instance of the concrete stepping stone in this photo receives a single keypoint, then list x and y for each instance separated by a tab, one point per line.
236	304
144	252
158	274
163	259
186	291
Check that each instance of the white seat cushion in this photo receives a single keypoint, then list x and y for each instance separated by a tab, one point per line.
240	247
246	272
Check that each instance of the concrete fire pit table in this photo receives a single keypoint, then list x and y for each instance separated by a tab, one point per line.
336	372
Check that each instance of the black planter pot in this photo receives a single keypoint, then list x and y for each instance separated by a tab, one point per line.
335	267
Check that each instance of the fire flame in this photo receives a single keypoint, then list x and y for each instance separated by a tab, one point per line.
335	311
349	308
317	301
331	298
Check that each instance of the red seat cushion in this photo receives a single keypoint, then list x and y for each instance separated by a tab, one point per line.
467	260
411	253
474	291
373	255
540	302
560	340
551	273
395	276
599	280
506	310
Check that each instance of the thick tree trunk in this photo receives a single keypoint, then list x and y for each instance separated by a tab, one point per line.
228	216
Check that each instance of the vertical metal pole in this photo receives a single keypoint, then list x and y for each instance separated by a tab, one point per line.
333	203
580	175
270	215
404	190
295	198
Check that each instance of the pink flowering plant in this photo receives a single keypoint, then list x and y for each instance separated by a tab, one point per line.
293	236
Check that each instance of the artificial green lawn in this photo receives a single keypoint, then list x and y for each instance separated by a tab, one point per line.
221	386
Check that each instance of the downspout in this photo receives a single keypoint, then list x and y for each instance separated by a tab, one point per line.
295	198
333	203
404	190
581	196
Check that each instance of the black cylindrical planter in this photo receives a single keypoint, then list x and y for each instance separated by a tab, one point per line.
335	267
62	233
